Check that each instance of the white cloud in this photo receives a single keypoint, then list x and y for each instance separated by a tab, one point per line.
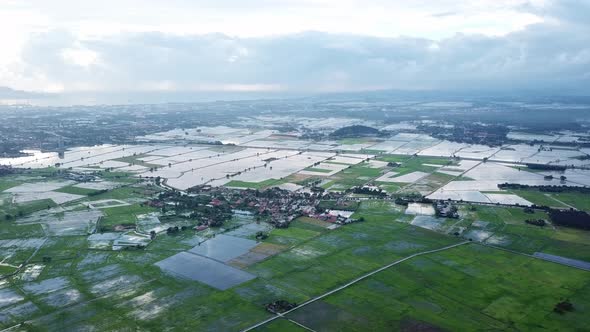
231	45
80	57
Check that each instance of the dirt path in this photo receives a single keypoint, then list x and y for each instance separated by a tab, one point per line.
560	202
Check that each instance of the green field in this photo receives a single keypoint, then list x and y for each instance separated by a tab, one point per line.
318	170
134	160
9	211
538	198
507	228
255	185
356	175
7	183
126	215
356	140
578	200
472	287
76	190
463	289
10	230
361	174
467	288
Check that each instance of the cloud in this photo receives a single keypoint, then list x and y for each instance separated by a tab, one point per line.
553	55
541	56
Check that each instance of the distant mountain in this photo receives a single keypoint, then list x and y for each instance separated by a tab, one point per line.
8	93
355	131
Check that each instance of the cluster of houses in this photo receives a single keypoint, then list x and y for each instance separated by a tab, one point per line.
5	170
276	206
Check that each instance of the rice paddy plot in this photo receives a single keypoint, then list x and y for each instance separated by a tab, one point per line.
564	260
420	209
428	222
567	243
92	259
72	223
507	199
223	247
62	298
153	304
409	178
17	312
256	254
13	230
56	197
249	230
117	286
205	270
106	204
9	297
46	286
100	185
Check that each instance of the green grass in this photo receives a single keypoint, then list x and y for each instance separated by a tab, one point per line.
538	198
510	231
255	185
123	215
76	190
389	187
318	170
5	270
121	193
23	209
310	224
8	183
299	231
11	230
356	175
320	263
335	163
123	177
134	160
281	325
353	140
500	215
334	205
578	200
411	164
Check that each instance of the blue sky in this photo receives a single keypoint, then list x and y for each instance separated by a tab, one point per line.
293	45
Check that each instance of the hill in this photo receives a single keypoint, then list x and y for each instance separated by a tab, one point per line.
355	131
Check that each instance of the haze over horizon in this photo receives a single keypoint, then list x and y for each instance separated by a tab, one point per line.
290	47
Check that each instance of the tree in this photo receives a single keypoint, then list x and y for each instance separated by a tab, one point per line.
563	306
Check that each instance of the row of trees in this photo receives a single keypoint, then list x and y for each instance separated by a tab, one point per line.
570	218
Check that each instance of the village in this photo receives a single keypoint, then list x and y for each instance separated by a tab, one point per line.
211	206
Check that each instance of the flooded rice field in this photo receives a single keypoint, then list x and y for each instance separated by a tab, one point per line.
200	268
223	247
420	209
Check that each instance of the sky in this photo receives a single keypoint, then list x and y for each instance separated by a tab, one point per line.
144	46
